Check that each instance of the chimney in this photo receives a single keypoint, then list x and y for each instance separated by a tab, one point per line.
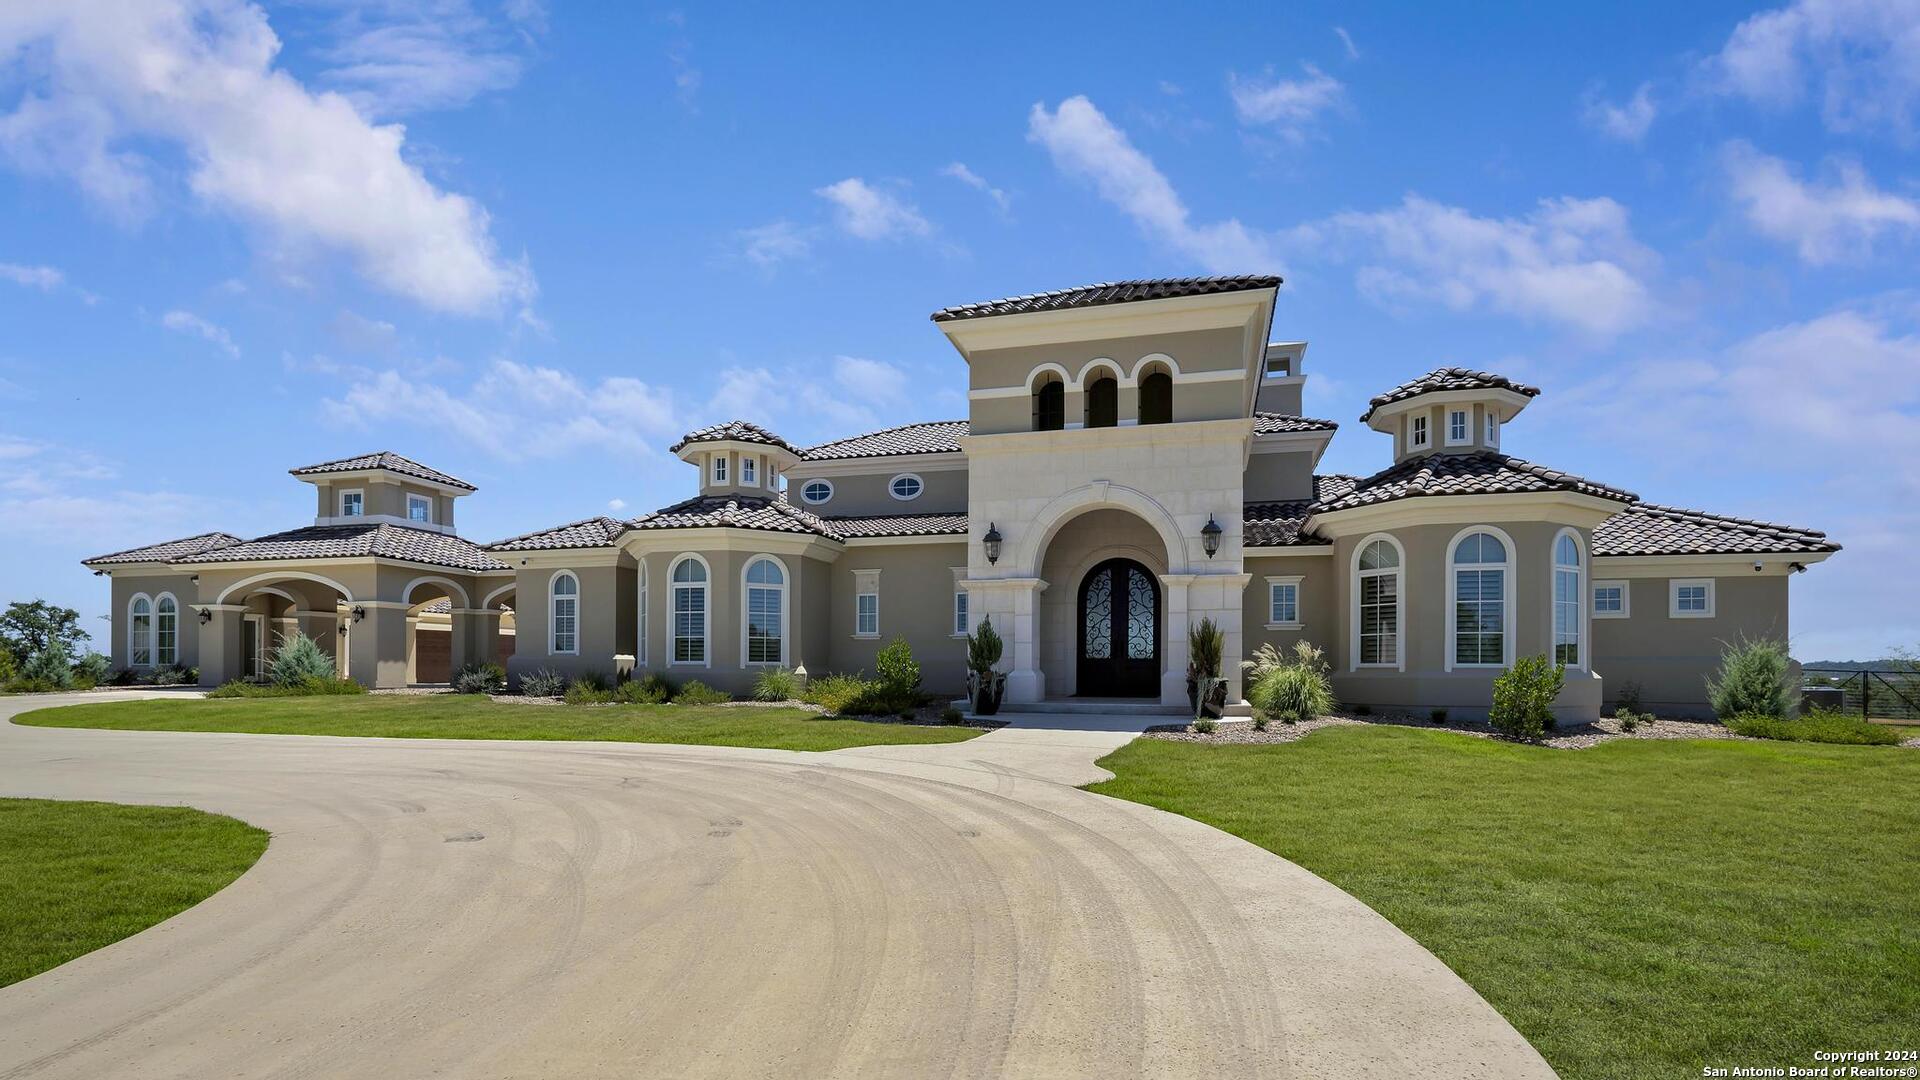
1281	378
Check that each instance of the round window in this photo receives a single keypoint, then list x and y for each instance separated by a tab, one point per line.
816	491
906	486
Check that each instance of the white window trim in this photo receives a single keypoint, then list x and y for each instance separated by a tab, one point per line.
424	501
1492	423
341	496
749	471
151	628
1506	599
804	497
786	609
1673	598
866	583
673	613
553	616
640	623
959	595
919	490
1466	427
719	468
1419	437
1273	583
1399	606
1582	598
1626	598
157	662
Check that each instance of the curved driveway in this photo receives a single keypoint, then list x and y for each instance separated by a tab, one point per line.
501	909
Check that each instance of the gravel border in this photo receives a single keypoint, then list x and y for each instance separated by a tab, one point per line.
1576	737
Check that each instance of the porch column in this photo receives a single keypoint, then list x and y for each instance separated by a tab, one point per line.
1173	681
413	641
377	645
1014	606
473	633
220	659
322	626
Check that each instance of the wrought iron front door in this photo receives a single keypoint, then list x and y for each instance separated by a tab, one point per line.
1119	631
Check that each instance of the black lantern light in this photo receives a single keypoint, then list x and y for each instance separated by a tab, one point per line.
991	542
206	615
359	613
1210	536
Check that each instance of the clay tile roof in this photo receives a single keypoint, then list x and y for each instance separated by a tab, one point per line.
167	551
585	533
735	512
1107	292
733	431
1265	423
899	525
931	437
1464	474
442	606
1649	529
387	460
383	540
1449	378
1278	524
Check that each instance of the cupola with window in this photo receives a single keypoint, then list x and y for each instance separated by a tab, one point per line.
737	458
1448	411
383	488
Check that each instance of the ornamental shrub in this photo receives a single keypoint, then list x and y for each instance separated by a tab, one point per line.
776	684
1523	697
92	669
695	692
297	659
1628	697
1289	690
1820	725
839	694
49	669
312	687
1752	681
586	692
480	679
899	672
983	647
177	675
543	682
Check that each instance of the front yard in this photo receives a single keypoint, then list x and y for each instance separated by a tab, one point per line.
1641	909
473	716
81	875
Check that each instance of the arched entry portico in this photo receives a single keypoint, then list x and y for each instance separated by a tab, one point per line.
252	617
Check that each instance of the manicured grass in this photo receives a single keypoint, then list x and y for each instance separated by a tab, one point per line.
80	875
463	716
1637	910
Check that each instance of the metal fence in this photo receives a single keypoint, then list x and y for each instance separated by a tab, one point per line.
1874	693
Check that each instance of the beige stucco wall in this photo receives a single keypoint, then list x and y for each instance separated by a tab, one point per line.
1086	542
1436	427
383	497
126	584
943	491
1193	352
1317	591
1280	477
765	484
916	602
1672	658
606	625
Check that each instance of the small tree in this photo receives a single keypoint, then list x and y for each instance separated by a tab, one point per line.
984	647
1523	697
899	676
51	667
1752	681
93	669
27	628
298	659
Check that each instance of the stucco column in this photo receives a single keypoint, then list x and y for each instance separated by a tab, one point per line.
413	642
1014	606
377	646
322	626
473	632
1174	625
220	659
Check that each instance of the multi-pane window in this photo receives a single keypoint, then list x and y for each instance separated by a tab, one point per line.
419	508
352	503
960	611
1479	600
564	634
1609	599
689	612
640	636
1567	593
1456	427
719	468
140	632
749	472
1378	592
1692	599
816	491
1283	602
1417	432
905	486
766	605
1493	430
866	618
166	631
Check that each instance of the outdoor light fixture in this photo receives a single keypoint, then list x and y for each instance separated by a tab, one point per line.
195	579
1210	536
206	615
991	542
359	613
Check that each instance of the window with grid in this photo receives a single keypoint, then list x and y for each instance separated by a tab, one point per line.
766	603
1480	600
689	612
1379	595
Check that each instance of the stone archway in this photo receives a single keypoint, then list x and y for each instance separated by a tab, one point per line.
254	616
1078	548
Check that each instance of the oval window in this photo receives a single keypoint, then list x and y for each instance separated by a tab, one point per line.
816	491
905	486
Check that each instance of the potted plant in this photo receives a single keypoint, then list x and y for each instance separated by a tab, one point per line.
984	685
1206	688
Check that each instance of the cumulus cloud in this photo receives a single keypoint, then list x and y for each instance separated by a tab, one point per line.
870	213
854	394
1085	144
308	169
959	171
186	322
1862	57
44	278
393	57
58	494
1838	219
1288	107
1626	122
1571	261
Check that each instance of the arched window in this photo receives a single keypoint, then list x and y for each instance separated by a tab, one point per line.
1480	595
563	619
1569	599
1103	402
817	491
1376	598
764	618
1050	405
140	632
689	611
1156	398
640	635
905	487
166	630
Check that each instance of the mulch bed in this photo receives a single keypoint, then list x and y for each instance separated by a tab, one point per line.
1567	737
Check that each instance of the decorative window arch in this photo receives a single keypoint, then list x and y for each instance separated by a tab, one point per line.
1480	599
906	487
1379	595
817	491
1103	401
763	611
640	628
1050	404
166	630
692	604
140	631
1569	599
1158	361
1156	398
563	614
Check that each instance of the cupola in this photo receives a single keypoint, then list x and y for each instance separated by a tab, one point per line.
1448	411
383	487
737	458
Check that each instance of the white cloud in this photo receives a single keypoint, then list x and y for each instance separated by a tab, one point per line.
1288	106
1825	222
1346	39
856	394
769	245
869	213
362	334
306	168
1628	122
616	505
959	171
57	494
1863	57
1572	261
44	278
1084	143
393	57
186	322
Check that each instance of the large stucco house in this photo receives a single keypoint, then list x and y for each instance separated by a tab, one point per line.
1136	454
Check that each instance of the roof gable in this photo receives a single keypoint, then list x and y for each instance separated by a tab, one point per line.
385	460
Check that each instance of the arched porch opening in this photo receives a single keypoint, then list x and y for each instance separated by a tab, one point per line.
253	618
1103	619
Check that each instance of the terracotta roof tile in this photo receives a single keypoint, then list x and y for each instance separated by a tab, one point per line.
1650	529
735	512
167	551
382	540
899	525
1464	474
1107	292
585	533
1278	524
930	437
1265	423
1450	378
733	431
387	460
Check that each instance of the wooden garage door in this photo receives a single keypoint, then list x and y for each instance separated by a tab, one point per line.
433	656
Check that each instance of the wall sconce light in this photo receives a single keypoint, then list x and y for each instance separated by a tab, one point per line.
359	613
991	542
206	615
195	579
1210	536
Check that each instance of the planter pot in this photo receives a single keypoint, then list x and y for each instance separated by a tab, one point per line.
1216	696
986	691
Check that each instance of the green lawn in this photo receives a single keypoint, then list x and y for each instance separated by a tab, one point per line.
462	716
1638	910
80	875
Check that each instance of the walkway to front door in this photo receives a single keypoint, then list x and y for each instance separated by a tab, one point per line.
1119	621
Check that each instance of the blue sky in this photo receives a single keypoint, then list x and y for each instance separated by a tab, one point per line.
531	243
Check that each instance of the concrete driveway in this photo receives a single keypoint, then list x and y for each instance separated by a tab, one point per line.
497	909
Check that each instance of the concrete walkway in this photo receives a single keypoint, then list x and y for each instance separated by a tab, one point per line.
495	909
